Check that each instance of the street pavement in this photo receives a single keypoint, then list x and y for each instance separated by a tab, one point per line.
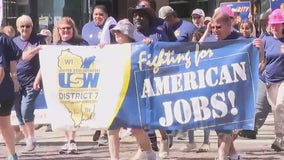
50	142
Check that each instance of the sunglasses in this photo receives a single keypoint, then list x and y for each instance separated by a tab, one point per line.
25	26
216	27
65	28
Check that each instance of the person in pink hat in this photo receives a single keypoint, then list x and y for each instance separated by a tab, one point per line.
272	64
232	14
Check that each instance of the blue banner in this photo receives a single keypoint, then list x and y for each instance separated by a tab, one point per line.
190	85
241	7
274	4
166	85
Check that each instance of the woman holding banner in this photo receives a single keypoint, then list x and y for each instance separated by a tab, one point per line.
124	33
274	74
98	32
66	33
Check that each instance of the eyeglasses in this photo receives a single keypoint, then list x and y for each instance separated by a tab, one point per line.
25	26
216	27
65	28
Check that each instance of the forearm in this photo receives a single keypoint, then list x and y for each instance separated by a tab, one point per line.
2	74
29	54
13	70
38	76
206	33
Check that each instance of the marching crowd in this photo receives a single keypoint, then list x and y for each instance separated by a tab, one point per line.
20	76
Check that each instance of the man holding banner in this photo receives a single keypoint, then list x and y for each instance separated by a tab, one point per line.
221	28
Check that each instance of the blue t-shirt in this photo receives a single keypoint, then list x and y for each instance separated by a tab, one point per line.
161	24
274	54
91	33
155	34
184	31
9	51
27	70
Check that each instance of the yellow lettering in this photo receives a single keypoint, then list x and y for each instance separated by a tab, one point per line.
201	54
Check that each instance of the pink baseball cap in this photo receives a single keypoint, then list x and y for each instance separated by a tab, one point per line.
276	17
227	10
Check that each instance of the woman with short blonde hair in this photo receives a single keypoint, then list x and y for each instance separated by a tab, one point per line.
27	73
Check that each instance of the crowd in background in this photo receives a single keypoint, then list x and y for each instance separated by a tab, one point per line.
20	72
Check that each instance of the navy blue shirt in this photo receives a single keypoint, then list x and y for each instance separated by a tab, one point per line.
274	54
183	31
27	70
155	34
161	24
9	51
75	42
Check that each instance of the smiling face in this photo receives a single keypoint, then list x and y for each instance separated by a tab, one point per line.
141	20
65	31
24	27
99	16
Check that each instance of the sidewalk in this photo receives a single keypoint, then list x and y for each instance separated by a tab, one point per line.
50	143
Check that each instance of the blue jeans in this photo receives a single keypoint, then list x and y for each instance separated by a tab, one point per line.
190	134
25	104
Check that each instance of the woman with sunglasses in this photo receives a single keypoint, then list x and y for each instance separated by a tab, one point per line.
66	33
27	71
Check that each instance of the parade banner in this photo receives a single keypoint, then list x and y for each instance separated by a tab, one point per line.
243	8
162	85
274	4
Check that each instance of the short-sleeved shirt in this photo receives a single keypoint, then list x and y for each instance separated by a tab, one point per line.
183	31
27	70
155	34
91	33
9	51
161	24
274	54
